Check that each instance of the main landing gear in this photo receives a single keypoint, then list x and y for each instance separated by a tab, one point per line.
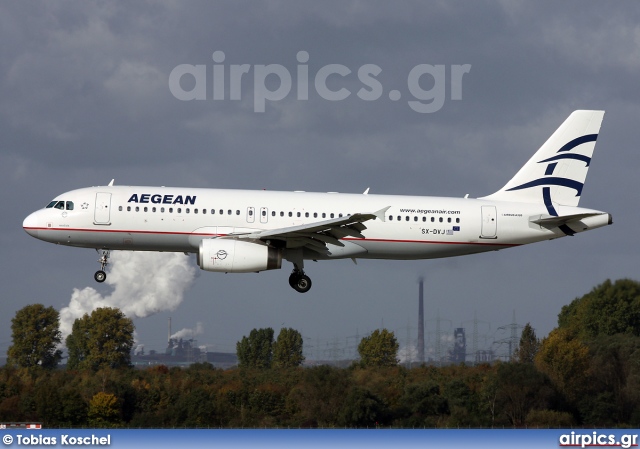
299	281
100	275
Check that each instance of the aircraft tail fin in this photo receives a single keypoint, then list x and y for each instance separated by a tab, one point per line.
557	171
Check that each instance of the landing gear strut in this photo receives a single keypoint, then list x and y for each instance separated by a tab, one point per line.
299	281
100	275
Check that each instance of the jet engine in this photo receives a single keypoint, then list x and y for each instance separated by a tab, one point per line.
237	256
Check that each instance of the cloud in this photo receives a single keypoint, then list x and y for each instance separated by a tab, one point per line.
86	99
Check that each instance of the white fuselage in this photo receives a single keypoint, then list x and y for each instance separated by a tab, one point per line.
240	231
177	219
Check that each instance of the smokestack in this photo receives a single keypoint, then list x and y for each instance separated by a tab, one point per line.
421	321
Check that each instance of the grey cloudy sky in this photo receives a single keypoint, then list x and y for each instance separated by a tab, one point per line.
85	98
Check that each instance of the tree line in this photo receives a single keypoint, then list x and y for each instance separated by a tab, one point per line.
586	372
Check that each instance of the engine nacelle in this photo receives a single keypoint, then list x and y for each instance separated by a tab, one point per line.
237	256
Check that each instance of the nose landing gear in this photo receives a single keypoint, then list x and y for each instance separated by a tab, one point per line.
100	275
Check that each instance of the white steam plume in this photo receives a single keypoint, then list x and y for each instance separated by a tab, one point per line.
139	349
408	354
189	333
143	283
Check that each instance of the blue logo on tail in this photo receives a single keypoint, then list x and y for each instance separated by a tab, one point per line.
558	181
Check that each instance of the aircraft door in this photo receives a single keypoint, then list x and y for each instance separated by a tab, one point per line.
251	214
102	214
264	215
489	222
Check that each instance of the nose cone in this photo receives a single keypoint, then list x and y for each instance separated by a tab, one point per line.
31	225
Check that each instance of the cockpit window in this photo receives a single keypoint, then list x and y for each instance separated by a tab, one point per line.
62	205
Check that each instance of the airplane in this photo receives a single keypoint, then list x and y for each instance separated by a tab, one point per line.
241	231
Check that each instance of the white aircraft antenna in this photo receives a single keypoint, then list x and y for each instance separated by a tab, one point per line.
111	183
366	192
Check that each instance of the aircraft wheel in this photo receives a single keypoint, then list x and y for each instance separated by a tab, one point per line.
302	284
292	279
100	276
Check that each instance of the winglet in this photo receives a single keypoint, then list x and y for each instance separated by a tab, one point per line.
381	213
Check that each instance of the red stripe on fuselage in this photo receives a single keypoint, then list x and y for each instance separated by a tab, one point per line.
221	235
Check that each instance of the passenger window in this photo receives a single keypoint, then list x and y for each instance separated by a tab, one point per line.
424	218
213	211
407	218
281	214
340	215
179	210
162	210
457	220
324	215
153	209
290	214
229	212
264	213
433	219
237	212
390	217
146	208
315	215
187	210
137	209
70	205
399	218
171	210
306	214
273	213
331	215
204	211
120	208
128	208
250	213
415	218
440	220
449	220
298	214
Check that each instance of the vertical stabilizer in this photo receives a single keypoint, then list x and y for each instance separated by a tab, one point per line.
557	171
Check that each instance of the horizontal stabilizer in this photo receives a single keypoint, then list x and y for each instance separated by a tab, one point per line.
554	222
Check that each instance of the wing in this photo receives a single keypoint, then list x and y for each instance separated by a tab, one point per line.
315	236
